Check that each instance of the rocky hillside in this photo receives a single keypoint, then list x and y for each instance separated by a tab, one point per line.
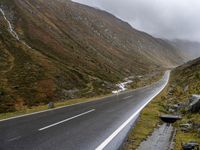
56	49
187	78
184	84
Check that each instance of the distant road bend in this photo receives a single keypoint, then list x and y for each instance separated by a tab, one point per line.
101	124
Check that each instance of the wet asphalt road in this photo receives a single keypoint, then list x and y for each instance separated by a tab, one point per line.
101	124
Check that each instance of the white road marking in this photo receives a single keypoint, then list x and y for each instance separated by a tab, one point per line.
127	97
68	119
15	138
43	111
116	132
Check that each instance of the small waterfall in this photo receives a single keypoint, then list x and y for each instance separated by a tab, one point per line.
12	32
10	28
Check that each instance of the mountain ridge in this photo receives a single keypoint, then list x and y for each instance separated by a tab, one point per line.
67	50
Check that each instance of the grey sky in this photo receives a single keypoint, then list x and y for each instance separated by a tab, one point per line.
162	18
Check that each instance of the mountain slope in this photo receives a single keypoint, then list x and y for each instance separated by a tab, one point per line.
187	76
190	49
186	83
57	49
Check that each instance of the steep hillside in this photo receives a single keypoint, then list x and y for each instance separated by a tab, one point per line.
56	50
186	78
185	83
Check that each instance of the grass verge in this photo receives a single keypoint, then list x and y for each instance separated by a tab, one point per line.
34	109
191	135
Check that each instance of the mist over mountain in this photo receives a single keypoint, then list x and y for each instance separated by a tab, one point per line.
189	48
163	19
171	19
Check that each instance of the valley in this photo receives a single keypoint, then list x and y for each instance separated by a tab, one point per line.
54	60
74	76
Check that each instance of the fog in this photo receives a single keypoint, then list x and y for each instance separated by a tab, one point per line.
169	19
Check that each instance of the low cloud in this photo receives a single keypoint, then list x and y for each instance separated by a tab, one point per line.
171	19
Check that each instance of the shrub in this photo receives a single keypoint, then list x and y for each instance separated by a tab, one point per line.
2	91
197	75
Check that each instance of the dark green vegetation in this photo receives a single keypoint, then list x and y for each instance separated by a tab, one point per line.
184	82
75	51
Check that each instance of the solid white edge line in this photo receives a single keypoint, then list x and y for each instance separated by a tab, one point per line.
68	119
15	138
116	132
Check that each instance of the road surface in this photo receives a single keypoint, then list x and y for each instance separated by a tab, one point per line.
101	124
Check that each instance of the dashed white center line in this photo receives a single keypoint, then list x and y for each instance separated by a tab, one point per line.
68	119
15	138
127	97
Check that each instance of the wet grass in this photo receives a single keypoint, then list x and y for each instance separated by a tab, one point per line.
192	135
182	138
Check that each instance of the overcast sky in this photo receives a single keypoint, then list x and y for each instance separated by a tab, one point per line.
171	19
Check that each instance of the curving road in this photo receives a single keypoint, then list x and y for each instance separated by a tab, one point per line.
101	124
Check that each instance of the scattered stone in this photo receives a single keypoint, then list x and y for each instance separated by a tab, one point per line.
191	146
171	110
170	93
186	127
175	108
194	104
186	88
70	93
51	105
